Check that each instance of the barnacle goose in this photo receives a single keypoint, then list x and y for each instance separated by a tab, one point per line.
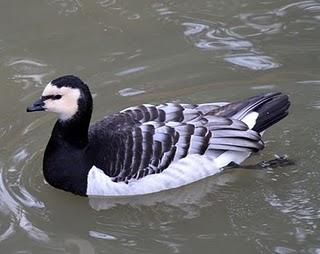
147	148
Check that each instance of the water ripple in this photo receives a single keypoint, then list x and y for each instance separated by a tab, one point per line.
264	23
216	38
100	235
244	32
194	28
300	206
286	20
107	3
9	232
253	62
130	92
18	214
29	72
263	87
220	37
313	6
131	70
115	6
66	7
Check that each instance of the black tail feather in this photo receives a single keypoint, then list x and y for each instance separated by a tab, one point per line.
271	107
239	109
271	112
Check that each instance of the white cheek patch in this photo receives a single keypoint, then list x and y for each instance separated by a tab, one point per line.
67	106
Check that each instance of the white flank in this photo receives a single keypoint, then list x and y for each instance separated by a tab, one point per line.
250	119
185	171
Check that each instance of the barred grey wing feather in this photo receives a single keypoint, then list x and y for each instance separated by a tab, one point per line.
169	132
156	144
171	112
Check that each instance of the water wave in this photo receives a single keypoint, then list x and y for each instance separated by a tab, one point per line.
29	72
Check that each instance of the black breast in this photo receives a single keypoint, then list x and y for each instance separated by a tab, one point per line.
66	167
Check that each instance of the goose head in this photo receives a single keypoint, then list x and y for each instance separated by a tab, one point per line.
68	96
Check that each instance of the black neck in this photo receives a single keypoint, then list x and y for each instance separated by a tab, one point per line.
66	161
74	131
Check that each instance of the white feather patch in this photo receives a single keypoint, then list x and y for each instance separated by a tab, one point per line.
250	119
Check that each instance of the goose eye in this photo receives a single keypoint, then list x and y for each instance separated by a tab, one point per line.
51	97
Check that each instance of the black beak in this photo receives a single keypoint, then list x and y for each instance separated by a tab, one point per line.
36	106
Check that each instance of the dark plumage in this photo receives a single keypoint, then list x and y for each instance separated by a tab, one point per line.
146	139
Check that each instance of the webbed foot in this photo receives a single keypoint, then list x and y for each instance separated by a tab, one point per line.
279	161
